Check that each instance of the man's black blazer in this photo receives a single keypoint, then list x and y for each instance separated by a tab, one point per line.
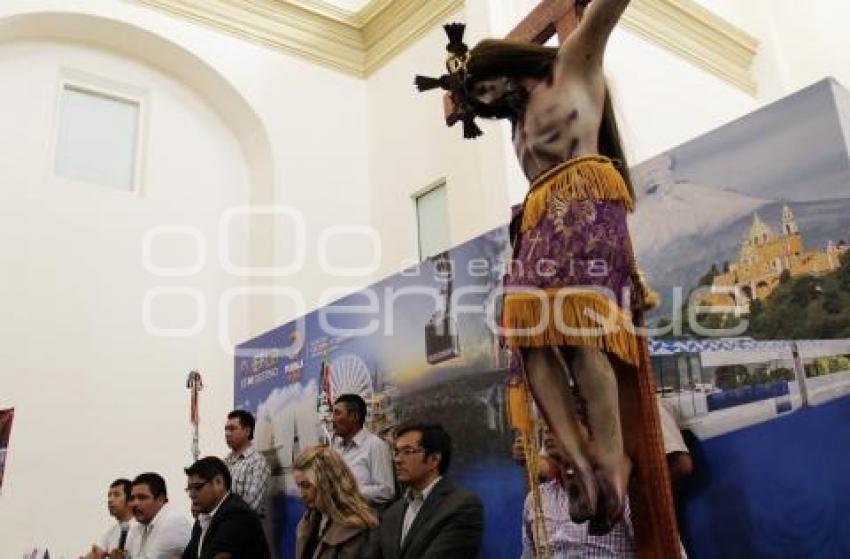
448	526
234	529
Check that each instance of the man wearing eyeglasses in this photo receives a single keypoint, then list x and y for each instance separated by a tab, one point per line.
162	532
226	527
436	519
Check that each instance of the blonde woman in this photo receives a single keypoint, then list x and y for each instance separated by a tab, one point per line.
337	521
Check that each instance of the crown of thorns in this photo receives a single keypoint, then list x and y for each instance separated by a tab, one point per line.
455	81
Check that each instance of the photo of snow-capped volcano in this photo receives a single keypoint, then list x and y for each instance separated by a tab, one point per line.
758	203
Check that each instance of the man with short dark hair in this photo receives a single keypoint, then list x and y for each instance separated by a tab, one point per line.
565	538
436	519
161	532
248	468
118	503
226	527
366	454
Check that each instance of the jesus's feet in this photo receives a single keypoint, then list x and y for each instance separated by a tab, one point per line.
612	485
581	488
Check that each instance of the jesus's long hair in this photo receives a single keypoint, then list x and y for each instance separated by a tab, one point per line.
499	57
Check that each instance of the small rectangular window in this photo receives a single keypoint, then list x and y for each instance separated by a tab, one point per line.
432	216
97	138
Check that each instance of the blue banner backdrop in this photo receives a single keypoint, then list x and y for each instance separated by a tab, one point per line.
765	412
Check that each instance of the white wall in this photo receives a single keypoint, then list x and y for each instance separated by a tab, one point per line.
94	392
811	40
800	43
411	148
97	396
661	100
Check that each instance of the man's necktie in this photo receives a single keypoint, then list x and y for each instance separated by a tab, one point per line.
122	539
145	533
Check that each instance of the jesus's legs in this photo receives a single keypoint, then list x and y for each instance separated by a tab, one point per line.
548	380
597	383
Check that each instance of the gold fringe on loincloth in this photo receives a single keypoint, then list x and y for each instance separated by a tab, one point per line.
584	178
603	323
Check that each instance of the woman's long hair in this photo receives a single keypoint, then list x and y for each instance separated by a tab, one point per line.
337	495
499	57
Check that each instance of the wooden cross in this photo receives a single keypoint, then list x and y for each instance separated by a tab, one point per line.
650	494
547	19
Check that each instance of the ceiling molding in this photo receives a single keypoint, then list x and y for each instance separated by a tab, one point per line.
697	35
398	24
360	43
305	28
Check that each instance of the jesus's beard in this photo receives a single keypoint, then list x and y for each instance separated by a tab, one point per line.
511	105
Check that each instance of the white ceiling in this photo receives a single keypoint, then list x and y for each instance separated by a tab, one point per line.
350	5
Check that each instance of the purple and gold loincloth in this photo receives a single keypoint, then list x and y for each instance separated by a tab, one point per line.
571	280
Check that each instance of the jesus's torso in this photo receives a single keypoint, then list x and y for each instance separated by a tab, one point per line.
561	122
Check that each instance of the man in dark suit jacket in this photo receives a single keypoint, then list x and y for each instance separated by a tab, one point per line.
436	519
226	527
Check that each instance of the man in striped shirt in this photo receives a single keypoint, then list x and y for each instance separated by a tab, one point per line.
248	468
565	538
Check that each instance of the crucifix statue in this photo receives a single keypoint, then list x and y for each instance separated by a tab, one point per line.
574	298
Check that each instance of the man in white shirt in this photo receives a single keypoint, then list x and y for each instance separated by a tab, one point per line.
366	454
679	459
118	503
161	532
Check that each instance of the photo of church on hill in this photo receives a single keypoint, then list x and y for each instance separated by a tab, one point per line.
748	225
766	259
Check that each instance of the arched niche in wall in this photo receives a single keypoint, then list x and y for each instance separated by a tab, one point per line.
134	42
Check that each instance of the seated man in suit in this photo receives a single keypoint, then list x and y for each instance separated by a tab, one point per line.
226	527
436	519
